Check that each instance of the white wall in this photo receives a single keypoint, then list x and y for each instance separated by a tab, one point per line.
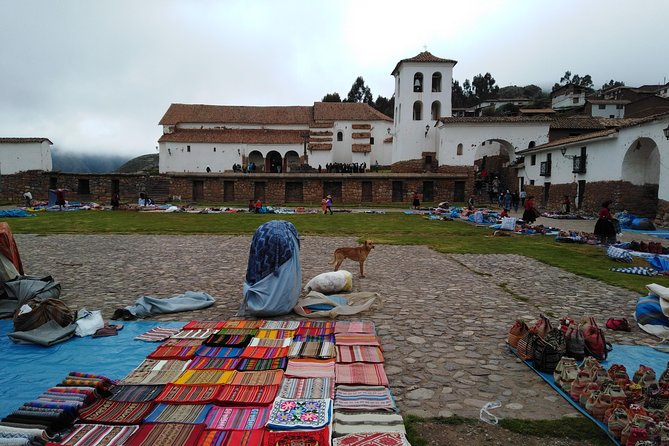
608	111
20	157
567	100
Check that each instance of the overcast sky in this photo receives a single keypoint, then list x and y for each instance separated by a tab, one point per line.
97	76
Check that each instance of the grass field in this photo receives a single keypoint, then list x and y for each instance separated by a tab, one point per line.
388	228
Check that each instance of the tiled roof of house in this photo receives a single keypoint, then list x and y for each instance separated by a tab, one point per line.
210	114
232	136
491	119
536	111
424	57
570	139
23	140
577	122
347	111
609	101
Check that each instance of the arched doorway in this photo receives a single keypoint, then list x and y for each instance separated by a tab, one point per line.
491	164
273	162
291	161
258	160
641	167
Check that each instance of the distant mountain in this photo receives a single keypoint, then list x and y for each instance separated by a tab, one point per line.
145	163
84	162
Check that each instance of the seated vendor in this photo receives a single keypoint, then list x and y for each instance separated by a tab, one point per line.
505	213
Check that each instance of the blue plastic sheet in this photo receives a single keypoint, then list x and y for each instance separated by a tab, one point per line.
29	370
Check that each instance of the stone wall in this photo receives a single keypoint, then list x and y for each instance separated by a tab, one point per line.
662	213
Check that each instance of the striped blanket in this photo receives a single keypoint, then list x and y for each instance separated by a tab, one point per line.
361	373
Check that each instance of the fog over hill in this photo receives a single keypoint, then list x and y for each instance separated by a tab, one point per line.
76	162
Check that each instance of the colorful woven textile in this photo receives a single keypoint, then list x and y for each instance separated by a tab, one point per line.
359	353
169	352
360	373
357	339
314	331
179	413
364	398
137	394
233	438
269	342
115	412
151	377
196	325
157	334
251	395
242	324
260	378
372	439
358	422
275	334
248	364
311	368
235	418
202	333
307	388
182	342
204	363
150	365
311	349
98	435
238	331
219	340
299	414
219	352
317	324
280	325
366	327
166	434
265	352
189	394
205	377
310	437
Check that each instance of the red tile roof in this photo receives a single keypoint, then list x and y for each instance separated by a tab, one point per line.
571	139
213	114
347	111
491	119
23	140
232	136
424	57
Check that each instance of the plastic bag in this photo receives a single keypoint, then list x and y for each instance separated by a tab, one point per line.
88	322
508	224
332	282
338	305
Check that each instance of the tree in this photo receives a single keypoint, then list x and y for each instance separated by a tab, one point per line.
484	87
331	97
611	84
360	92
458	98
385	105
584	82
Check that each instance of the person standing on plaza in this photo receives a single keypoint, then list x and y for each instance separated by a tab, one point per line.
515	199
328	204
507	200
605	230
60	198
415	201
258	206
530	214
523	194
28	196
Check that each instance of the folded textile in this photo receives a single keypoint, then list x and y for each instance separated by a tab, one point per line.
311	368
115	412
258	378
166	434
157	334
274	334
364	398
195	325
238	331
372	439
371	374
248	395
152	371
359	353
219	352
358	422
219	340
46	335
242	323
300	414
189	394
179	413
206	377
98	435
199	333
251	364
305	437
237	418
147	306
638	270
137	394
173	352
280	325
264	352
366	327
356	339
269	342
212	437
206	363
312	349
307	388
108	330
182	343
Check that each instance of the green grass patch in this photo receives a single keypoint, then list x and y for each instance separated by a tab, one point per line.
448	237
578	428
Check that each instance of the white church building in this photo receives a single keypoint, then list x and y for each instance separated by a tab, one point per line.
25	154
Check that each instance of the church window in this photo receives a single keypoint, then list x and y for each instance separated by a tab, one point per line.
417	111
459	150
187	148
340	136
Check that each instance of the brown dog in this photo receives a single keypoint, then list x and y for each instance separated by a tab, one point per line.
358	254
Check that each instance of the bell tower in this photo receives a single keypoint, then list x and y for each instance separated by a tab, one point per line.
422	96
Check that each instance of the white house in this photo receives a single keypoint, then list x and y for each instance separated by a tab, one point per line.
568	96
202	138
23	154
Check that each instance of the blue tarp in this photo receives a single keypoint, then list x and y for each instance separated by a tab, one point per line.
28	370
7	213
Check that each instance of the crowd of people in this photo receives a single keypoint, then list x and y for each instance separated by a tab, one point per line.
343	168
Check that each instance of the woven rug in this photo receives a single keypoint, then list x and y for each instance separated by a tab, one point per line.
189	394
179	413
235	418
166	434
169	352
359	353
366	327
242	324
270	342
280	325
372	439
173	342
275	334
219	352
261	378
238	331
366	422
311	368
98	435
364	398
361	373
226	340
157	334
204	363
357	339
264	352
300	414
311	437
307	388
136	394
314	331
115	412
249	395
311	349
197	325
149	365
249	364
206	377
202	333
233	438
151	377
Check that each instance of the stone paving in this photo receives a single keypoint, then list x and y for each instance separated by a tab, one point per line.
442	321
